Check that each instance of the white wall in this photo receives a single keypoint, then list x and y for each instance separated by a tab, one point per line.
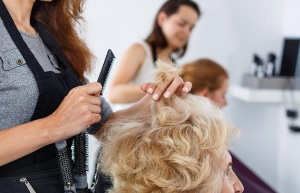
291	18
229	32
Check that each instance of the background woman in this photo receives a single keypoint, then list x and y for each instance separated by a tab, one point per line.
168	39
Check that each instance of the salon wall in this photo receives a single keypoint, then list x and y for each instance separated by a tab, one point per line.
229	32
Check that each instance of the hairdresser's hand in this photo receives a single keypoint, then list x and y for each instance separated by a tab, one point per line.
167	88
79	109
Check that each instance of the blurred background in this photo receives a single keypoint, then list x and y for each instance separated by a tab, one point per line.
229	32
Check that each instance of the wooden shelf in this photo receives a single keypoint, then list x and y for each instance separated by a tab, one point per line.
264	95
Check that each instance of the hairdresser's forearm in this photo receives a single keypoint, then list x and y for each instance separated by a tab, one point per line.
21	140
125	93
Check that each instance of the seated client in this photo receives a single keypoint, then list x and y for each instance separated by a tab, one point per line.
181	146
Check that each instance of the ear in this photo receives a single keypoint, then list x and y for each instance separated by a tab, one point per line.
161	18
202	92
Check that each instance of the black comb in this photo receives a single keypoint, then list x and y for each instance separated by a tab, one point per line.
108	61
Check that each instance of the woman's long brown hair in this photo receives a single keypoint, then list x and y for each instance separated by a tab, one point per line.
61	17
170	7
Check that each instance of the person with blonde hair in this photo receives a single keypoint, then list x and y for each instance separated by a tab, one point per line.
211	80
181	146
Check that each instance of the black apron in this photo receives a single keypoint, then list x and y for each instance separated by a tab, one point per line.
40	167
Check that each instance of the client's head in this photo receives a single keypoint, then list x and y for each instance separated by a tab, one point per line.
181	146
208	78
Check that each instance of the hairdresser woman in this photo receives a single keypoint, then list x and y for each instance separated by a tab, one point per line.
44	98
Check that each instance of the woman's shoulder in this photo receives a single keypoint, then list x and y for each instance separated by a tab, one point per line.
137	49
142	43
141	47
137	53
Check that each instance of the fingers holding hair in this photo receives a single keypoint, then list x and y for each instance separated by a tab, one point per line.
167	82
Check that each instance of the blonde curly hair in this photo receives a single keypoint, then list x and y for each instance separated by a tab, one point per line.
175	149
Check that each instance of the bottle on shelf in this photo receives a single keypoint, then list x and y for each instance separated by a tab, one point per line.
270	65
260	72
257	67
253	66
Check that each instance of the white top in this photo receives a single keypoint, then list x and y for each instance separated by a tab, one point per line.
146	71
144	74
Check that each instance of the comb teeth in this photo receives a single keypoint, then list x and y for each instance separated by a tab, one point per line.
108	61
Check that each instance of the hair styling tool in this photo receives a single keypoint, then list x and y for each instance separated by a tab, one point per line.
80	162
108	61
80	145
65	166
